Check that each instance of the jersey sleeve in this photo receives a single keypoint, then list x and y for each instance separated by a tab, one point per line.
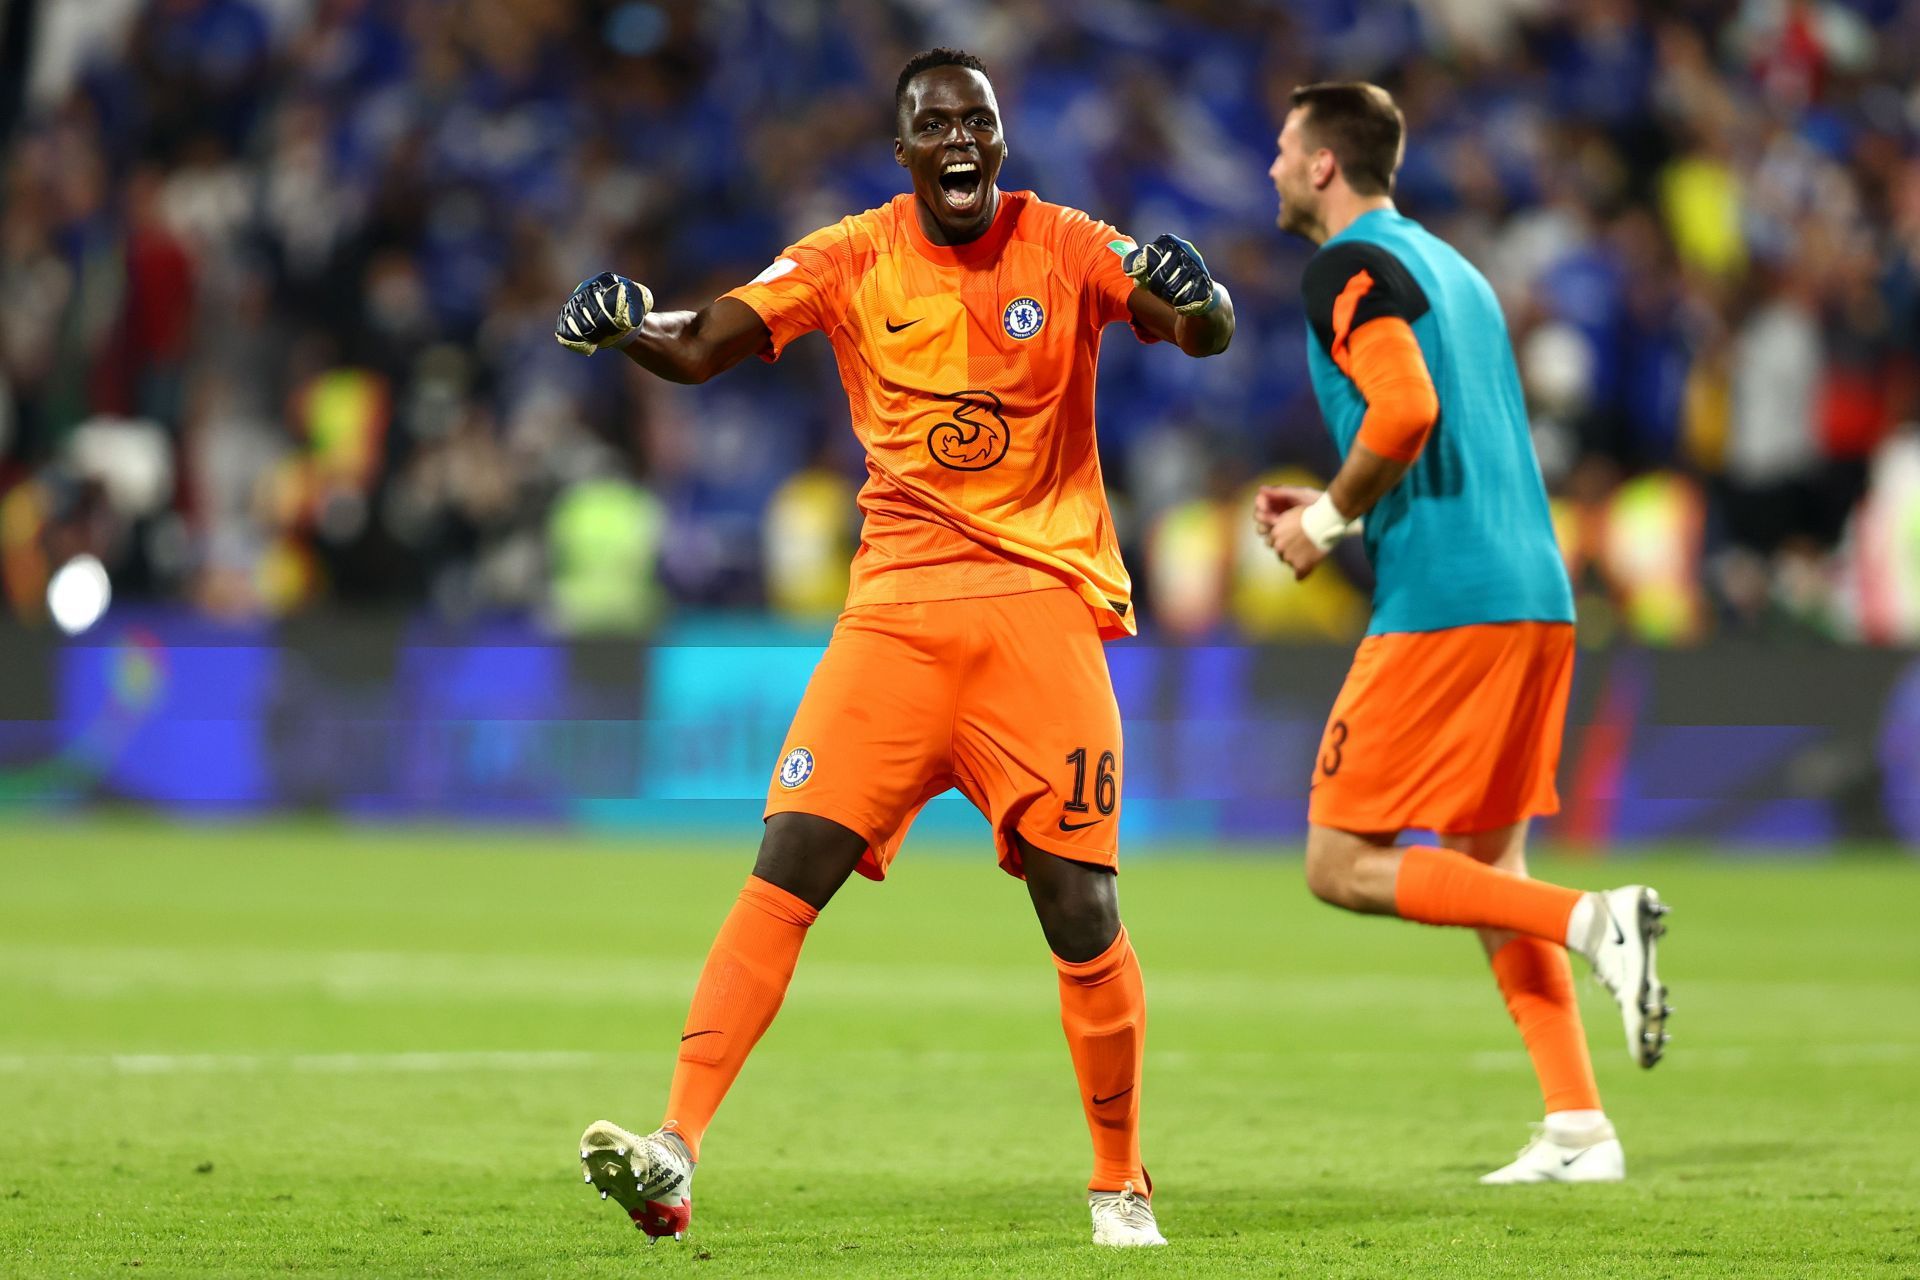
1090	252
1351	283
801	290
1392	374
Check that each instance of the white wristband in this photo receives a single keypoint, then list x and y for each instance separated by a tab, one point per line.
1323	524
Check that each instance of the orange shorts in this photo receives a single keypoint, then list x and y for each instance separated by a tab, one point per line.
1454	731
1005	697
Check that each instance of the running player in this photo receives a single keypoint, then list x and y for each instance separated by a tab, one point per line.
1450	719
966	323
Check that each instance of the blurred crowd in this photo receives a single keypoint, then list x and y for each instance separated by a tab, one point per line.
281	275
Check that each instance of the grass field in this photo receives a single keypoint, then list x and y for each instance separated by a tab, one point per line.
272	1050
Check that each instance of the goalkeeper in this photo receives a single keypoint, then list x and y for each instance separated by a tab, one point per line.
966	322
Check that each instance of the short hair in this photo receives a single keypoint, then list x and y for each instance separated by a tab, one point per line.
1363	128
927	60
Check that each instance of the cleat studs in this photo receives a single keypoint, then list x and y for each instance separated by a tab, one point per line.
586	1177
679	1235
603	1193
619	1151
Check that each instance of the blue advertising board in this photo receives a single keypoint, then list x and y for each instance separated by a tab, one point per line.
498	723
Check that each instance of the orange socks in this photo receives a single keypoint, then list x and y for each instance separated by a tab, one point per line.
1440	886
741	987
1537	981
1103	1006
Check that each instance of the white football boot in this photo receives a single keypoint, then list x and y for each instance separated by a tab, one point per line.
1123	1219
650	1177
1594	1156
1621	936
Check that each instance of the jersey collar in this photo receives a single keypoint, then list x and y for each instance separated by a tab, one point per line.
1388	215
973	252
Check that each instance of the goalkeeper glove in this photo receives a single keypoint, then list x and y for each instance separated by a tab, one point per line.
603	312
1172	269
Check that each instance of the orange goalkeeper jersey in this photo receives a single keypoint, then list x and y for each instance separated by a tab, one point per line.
969	372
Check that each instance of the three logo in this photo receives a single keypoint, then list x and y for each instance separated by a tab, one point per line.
976	437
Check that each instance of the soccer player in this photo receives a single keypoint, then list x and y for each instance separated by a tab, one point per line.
1450	719
966	324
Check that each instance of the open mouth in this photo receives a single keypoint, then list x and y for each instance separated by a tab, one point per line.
960	184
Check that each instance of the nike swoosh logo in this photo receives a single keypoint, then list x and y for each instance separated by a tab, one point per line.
1618	937
1575	1156
895	328
1079	826
691	1034
1099	1101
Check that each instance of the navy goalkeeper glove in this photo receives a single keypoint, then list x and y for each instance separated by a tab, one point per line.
603	312
1172	269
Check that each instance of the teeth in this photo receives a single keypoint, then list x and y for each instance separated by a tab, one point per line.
960	166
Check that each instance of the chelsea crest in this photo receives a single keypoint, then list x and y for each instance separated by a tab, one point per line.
796	768
1023	318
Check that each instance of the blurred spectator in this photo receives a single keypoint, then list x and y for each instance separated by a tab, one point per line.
810	535
1269	606
1881	576
317	245
604	546
1772	450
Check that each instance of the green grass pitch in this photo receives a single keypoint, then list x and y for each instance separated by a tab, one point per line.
327	1051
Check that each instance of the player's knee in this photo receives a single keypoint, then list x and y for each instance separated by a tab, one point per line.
810	857
1076	903
1082	932
1081	937
1326	878
1334	870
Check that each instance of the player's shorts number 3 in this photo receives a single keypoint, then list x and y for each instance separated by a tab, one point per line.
1331	758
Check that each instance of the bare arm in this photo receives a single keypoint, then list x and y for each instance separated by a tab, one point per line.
1364	479
1205	334
692	346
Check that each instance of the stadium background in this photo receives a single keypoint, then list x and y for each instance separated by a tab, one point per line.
281	278
388	566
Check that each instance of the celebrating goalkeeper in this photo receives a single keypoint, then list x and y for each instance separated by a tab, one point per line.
966	322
